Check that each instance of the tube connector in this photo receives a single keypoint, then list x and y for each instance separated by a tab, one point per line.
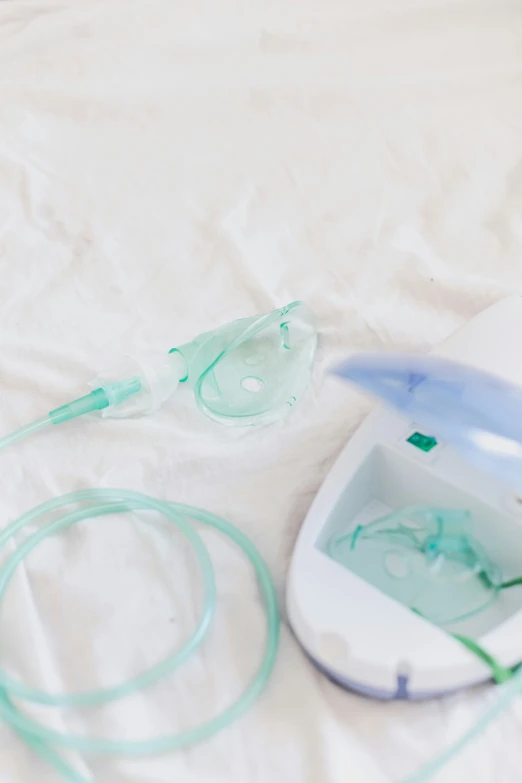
95	401
99	399
140	384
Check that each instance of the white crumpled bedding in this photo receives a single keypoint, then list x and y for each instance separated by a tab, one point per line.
166	166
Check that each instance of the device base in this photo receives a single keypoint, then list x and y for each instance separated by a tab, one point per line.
402	693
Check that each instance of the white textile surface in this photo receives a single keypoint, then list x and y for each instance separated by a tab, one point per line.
167	166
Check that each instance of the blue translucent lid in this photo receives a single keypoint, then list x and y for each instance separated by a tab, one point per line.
477	413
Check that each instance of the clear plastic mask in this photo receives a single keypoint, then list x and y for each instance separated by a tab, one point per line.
254	370
426	558
250	371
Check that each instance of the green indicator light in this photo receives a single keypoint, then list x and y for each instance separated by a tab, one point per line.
422	442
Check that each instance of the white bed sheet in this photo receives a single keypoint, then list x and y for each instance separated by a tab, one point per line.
166	167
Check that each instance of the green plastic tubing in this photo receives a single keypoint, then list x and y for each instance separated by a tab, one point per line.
94	503
507	693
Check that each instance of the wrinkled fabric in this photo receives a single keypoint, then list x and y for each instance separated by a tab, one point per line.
166	167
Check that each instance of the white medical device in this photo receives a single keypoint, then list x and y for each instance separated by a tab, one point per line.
451	438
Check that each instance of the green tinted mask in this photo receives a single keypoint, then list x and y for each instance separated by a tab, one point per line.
252	371
426	558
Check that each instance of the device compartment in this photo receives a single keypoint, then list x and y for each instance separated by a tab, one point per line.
387	480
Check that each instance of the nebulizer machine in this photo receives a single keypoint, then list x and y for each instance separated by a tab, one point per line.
403	582
249	372
406	578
